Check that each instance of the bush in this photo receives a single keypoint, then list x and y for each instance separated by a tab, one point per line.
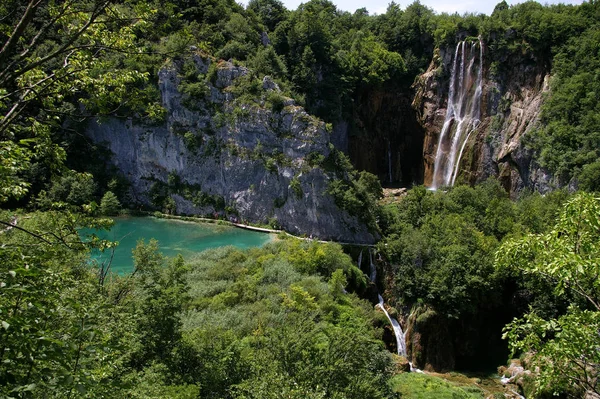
277	101
296	187
109	205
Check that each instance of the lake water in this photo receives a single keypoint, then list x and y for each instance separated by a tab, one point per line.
174	237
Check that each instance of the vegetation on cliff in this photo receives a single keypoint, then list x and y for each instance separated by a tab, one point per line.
285	320
323	57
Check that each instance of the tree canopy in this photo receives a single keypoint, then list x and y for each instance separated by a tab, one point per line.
564	348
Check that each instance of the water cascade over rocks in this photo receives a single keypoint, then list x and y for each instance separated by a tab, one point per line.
400	341
463	112
390	161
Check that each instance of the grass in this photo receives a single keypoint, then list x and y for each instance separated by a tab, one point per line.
422	386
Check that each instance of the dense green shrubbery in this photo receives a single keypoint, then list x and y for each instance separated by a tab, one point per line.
355	192
229	324
297	321
569	138
563	346
441	247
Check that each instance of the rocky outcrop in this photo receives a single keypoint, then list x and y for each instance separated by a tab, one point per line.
258	159
512	95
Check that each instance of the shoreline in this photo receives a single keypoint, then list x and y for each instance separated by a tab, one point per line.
251	228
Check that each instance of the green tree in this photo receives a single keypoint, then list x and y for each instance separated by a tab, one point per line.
369	63
270	12
72	189
160	294
565	348
266	62
59	336
110	205
49	53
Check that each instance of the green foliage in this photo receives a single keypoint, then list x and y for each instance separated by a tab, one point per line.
567	257
276	100
357	193
266	62
53	55
441	247
589	178
568	141
369	62
73	190
421	386
270	12
161	294
228	325
153	382
296	187
409	33
13	159
109	205
306	336
567	254
58	336
278	321
443	244
193	141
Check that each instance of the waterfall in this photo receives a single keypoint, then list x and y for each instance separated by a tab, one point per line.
463	112
390	161
400	341
360	258
372	269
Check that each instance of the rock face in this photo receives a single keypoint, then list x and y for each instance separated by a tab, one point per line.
513	91
255	159
385	137
427	341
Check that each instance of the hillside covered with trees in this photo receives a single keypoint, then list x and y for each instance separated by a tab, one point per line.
476	276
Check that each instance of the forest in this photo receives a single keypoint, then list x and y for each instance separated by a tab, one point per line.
476	275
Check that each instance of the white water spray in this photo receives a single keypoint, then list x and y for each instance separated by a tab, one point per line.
463	112
400	341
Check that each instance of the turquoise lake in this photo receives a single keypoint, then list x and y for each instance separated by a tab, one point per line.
174	237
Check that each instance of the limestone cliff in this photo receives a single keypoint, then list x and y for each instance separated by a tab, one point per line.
385	138
259	159
512	93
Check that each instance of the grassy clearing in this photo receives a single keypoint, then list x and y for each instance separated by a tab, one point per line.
423	386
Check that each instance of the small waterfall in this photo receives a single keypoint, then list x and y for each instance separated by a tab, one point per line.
462	114
372	268
400	341
390	161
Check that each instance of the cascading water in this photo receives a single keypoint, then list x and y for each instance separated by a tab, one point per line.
400	342
463	112
390	161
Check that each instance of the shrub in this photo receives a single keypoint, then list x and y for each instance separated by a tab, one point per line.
109	205
296	187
